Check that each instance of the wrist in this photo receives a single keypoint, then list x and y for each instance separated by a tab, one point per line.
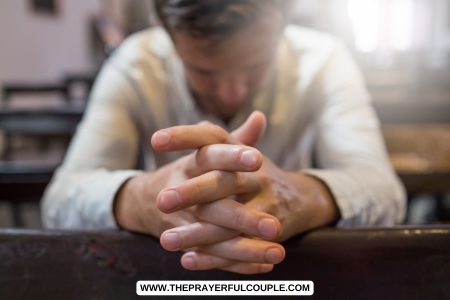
126	203
328	211
135	205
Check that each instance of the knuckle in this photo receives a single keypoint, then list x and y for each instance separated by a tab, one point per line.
239	217
242	269
221	134
234	180
205	261
201	156
266	180
246	268
197	189
239	180
210	262
221	176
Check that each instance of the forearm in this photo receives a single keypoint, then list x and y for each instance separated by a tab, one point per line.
298	201
82	199
318	207
99	158
135	206
329	211
127	207
365	195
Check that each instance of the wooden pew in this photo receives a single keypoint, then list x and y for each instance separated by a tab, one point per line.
27	180
56	121
378	263
61	121
413	113
22	181
10	89
418	128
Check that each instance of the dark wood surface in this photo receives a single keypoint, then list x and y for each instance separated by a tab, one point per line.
413	113
24	181
50	121
396	263
434	183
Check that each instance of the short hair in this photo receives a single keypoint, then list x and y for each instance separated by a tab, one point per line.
212	18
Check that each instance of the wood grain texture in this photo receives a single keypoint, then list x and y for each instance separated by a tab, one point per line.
397	263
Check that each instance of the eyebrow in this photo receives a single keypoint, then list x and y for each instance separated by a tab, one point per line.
206	71
201	70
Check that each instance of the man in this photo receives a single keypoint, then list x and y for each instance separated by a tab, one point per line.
296	146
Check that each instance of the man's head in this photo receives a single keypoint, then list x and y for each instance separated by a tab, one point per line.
228	47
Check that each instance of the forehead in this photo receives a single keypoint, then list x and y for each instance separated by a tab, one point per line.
251	45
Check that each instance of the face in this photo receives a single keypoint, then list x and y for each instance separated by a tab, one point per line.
225	75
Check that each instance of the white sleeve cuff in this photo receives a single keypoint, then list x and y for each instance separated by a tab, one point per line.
364	198
87	203
100	210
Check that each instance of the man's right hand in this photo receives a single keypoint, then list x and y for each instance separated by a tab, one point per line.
224	247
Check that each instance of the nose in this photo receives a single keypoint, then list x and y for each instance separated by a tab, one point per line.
232	91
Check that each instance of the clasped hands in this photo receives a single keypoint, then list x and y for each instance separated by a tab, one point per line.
225	204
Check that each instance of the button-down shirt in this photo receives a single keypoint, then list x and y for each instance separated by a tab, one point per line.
319	122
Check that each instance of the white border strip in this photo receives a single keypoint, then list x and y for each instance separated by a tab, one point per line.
224	288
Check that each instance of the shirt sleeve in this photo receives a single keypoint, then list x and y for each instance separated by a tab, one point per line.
350	150
99	159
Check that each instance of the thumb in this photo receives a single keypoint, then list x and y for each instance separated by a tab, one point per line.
252	130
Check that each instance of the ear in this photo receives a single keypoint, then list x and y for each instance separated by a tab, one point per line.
252	130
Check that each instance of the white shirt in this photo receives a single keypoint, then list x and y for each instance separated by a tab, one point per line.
317	109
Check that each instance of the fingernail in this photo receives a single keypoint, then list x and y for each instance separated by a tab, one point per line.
249	158
170	200
162	138
265	268
172	241
268	228
274	256
189	263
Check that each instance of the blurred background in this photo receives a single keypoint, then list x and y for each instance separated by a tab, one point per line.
51	51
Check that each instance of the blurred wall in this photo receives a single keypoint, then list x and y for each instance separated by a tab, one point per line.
39	47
